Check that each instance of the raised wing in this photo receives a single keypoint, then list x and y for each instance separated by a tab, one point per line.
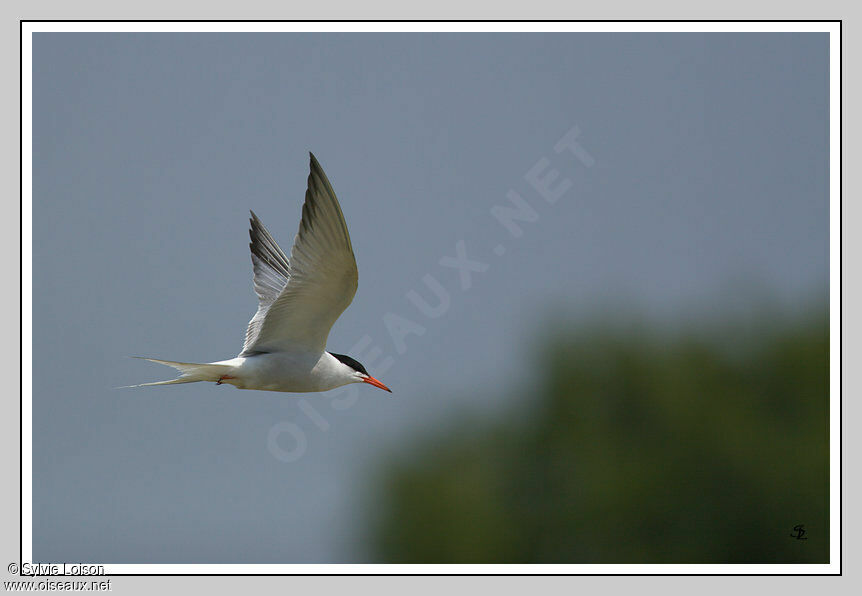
300	298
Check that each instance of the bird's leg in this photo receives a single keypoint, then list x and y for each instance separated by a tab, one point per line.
224	378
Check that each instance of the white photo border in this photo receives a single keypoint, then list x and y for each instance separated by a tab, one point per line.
833	28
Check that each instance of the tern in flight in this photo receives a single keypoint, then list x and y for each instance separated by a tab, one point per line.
299	300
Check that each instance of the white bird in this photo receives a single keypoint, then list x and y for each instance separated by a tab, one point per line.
299	300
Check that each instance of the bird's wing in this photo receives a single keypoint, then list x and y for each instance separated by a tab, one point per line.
301	297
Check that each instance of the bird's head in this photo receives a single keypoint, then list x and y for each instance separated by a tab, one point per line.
358	373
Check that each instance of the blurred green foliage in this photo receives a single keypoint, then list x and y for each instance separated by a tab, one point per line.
632	448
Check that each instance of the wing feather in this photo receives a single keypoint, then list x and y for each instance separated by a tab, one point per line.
300	298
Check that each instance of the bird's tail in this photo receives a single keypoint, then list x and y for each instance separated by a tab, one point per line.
189	372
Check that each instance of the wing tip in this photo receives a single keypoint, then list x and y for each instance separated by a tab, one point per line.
314	166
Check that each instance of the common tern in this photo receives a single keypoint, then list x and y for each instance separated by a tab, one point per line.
299	300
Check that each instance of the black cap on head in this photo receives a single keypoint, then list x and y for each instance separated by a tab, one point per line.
355	365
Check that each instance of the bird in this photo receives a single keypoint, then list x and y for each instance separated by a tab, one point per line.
299	299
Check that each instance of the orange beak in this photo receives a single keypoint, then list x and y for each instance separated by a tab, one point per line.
372	381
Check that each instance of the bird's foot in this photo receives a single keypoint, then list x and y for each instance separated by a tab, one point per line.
224	378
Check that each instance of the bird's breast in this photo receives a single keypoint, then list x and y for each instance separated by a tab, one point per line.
296	372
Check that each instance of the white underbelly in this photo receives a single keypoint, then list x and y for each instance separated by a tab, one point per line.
298	372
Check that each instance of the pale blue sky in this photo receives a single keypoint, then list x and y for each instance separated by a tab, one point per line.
710	175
